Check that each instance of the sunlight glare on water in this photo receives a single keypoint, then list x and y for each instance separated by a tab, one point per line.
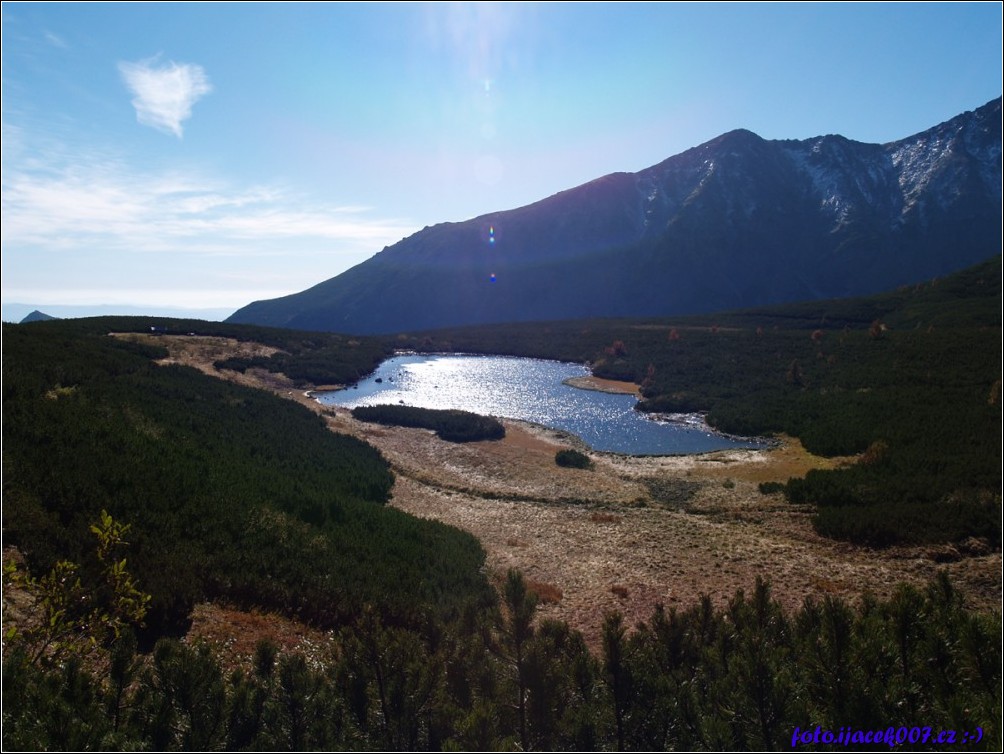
530	390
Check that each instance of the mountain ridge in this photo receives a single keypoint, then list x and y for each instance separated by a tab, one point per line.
735	222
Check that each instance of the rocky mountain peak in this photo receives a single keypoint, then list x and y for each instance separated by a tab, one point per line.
735	222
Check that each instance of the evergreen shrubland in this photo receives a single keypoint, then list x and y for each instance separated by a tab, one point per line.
231	493
574	459
218	492
451	425
742	676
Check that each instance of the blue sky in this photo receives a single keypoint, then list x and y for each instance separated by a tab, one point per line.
169	157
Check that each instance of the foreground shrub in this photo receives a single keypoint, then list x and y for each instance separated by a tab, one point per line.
741	676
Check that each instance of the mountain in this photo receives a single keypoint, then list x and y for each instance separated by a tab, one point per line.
37	316
736	222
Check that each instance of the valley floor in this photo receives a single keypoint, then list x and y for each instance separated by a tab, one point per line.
631	532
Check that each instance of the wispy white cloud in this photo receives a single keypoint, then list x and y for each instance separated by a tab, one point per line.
89	221
163	95
98	201
55	40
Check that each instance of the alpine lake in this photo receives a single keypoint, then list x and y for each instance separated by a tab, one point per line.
534	390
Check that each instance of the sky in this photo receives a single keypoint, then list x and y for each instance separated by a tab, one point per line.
191	158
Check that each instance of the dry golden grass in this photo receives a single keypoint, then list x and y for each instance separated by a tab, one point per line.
235	633
604	518
547	594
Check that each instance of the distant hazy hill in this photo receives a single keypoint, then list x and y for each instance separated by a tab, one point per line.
736	222
17	311
37	316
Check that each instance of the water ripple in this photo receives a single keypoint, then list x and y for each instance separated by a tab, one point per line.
531	390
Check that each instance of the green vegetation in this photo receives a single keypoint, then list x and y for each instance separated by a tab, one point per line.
339	361
769	488
743	677
230	493
135	490
572	459
76	618
913	377
451	425
309	358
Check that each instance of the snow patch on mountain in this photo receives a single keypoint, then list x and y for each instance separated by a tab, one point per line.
827	179
917	163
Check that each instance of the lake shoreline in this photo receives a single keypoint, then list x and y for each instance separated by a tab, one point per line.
602	413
